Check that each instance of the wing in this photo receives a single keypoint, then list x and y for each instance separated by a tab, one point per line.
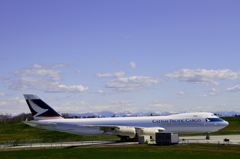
104	128
115	128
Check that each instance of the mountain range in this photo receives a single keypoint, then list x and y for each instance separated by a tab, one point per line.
130	114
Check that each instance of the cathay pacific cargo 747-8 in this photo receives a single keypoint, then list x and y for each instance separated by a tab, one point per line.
126	128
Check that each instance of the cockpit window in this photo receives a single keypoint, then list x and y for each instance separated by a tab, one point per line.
214	119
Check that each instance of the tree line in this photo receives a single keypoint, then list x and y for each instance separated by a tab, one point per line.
8	118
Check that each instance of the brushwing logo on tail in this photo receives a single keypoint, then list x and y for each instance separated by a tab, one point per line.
37	109
44	110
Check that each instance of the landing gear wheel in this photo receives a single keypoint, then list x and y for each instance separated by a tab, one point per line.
127	139
124	139
207	137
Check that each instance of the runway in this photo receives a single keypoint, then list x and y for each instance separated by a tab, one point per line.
233	139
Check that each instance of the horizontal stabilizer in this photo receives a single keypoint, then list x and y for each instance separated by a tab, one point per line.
33	123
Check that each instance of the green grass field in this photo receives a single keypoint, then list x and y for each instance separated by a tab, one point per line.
17	131
119	152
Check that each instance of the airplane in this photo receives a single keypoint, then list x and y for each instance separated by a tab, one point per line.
127	128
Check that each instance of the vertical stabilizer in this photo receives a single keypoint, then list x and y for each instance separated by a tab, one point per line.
40	110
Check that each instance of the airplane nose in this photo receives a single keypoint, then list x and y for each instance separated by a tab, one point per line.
222	124
226	123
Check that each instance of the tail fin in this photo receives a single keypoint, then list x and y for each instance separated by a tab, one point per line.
40	110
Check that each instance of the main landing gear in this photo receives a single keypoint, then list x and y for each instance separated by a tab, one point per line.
127	139
208	137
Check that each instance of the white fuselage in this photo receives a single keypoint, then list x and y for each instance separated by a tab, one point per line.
179	123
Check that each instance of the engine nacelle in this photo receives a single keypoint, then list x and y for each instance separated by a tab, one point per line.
149	131
125	131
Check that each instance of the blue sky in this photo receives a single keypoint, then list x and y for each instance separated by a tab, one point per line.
119	55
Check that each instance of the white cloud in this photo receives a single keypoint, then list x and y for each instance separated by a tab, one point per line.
48	66
3	103
6	79
233	89
107	92
3	94
203	76
202	108
38	72
25	83
120	103
133	64
181	93
43	77
130	84
83	107
8	106
113	106
13	99
77	107
46	70
211	93
47	85
100	91
108	75
63	88
157	106
214	91
99	108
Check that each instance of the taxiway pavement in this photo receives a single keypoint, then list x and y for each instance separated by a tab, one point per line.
218	139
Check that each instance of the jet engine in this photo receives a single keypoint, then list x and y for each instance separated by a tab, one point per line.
125	131
149	131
